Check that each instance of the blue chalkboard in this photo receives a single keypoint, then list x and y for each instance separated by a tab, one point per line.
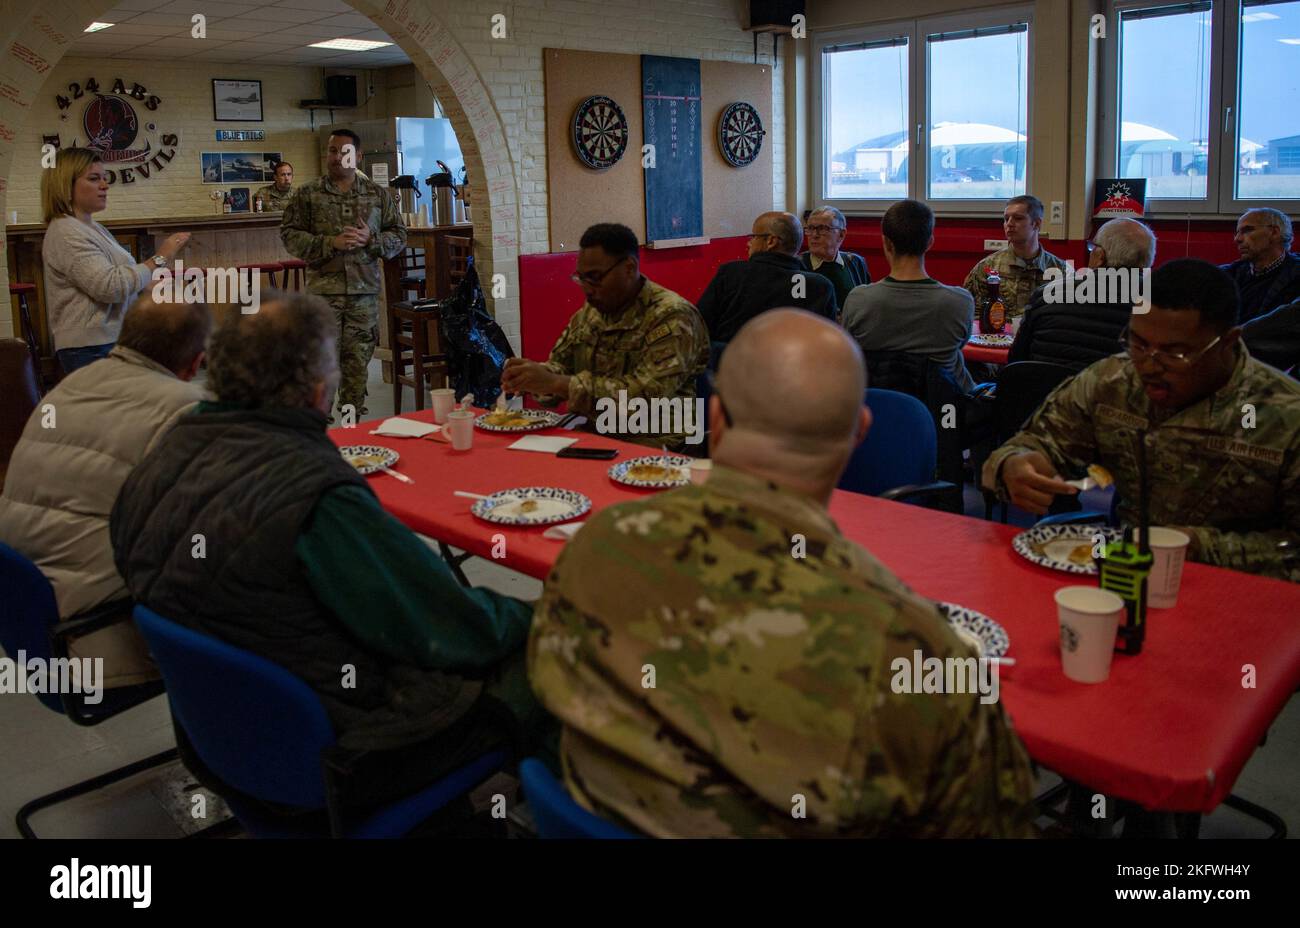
670	108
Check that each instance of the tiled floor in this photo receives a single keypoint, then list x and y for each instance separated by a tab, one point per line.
41	752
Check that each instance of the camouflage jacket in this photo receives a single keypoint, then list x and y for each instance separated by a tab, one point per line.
1226	469
654	348
772	678
273	201
1020	278
319	211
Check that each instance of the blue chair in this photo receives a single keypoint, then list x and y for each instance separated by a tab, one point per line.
898	459
555	812
29	624
255	733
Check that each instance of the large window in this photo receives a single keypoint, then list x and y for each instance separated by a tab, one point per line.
1206	103
936	109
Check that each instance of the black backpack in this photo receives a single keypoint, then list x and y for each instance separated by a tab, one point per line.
476	347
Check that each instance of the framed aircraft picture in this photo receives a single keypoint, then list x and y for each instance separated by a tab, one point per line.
236	101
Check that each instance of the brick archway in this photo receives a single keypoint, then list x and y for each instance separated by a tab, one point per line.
35	40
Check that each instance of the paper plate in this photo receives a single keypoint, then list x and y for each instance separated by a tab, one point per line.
367	459
677	465
992	341
531	506
536	419
1061	547
992	637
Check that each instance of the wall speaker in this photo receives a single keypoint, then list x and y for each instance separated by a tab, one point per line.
341	90
773	15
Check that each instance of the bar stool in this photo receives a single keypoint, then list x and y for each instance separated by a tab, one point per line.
409	339
269	268
20	291
298	269
414	273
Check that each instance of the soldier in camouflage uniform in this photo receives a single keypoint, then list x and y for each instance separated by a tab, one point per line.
630	335
1223	430
1022	265
342	225
714	680
276	197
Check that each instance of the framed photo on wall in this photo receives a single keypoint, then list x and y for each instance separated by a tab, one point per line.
236	101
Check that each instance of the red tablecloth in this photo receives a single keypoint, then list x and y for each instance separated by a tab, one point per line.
987	355
1170	729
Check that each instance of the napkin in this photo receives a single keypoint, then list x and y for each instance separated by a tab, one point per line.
547	444
405	428
563	532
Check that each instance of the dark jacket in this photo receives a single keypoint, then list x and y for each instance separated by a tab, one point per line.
1266	292
247	482
1071	334
856	266
743	289
1274	338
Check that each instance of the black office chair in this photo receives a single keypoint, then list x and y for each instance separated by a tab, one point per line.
1021	389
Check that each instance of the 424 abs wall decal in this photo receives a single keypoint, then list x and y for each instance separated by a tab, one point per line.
132	149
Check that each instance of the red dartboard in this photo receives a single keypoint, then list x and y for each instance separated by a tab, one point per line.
599	132
740	134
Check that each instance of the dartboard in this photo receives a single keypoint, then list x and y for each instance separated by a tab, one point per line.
599	132
740	134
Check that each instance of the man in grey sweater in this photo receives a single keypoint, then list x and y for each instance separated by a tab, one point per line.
910	311
76	451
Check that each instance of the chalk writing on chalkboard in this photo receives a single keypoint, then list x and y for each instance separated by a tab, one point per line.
674	187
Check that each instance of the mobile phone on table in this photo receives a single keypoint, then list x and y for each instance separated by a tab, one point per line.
592	454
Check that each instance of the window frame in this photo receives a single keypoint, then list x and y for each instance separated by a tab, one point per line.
915	30
1220	200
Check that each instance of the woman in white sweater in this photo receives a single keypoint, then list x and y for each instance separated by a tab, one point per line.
90	279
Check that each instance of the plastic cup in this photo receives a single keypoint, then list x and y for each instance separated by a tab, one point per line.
700	469
443	400
460	423
1169	552
1089	617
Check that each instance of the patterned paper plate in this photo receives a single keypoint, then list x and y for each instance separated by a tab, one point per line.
992	341
653	472
523	420
532	506
1063	547
367	459
976	627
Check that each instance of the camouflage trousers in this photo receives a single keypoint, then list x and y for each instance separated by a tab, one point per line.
358	318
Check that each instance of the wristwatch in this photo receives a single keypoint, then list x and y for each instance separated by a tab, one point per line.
159	261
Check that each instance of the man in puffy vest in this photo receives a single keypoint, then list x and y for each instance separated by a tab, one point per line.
247	525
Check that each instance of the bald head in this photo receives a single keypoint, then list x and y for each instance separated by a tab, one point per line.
777	231
1127	243
795	379
171	334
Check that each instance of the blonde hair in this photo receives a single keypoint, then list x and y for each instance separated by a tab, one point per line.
57	182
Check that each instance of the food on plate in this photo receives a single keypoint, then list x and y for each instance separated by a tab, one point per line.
649	472
528	505
1081	554
366	460
1100	475
508	419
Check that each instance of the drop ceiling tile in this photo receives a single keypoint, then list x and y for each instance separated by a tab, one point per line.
279	15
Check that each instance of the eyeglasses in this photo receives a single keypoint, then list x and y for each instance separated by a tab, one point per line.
1170	360
821	229
1091	246
593	278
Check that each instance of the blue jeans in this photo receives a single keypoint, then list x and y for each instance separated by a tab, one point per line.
72	358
